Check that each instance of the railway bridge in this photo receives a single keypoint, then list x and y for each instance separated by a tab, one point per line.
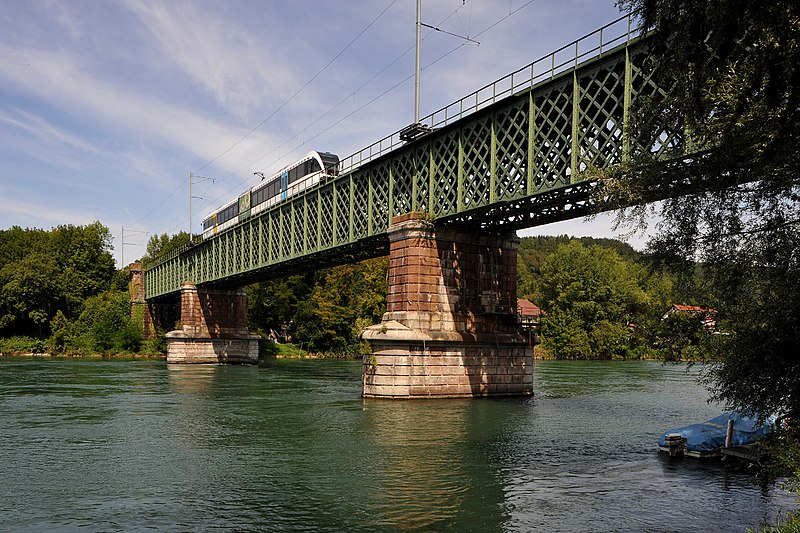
443	199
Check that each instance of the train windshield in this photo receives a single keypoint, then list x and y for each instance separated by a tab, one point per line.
331	162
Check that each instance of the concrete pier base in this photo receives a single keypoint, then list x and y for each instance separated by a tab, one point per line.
213	328
182	348
409	363
451	327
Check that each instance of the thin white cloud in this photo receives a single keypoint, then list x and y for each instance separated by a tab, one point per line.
64	17
35	214
131	94
237	68
42	129
36	72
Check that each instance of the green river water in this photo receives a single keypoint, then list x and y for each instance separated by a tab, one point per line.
99	445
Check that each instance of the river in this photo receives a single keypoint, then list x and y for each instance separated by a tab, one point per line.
108	445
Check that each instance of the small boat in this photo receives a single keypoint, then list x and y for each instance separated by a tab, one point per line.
710	438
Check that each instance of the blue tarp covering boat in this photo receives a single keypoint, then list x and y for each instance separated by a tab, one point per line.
706	439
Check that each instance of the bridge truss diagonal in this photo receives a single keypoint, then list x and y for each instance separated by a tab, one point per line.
513	154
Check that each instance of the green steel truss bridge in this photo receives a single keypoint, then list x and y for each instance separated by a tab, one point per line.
513	154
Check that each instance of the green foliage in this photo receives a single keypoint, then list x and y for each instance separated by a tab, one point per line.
30	293
163	245
565	336
61	334
46	272
274	349
82	254
604	300
105	326
21	345
16	243
733	69
679	336
533	251
348	293
590	294
272	305
609	340
322	312
789	524
154	346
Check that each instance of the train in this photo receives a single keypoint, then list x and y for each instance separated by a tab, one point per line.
316	167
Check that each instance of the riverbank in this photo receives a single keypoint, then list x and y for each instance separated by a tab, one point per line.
46	355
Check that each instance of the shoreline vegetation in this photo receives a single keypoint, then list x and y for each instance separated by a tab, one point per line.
31	347
601	299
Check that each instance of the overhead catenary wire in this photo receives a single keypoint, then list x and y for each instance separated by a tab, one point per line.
183	182
355	110
341	102
301	89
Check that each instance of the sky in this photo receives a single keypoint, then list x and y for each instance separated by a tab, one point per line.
108	105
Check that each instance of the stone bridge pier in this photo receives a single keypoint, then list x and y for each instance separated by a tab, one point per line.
213	328
451	326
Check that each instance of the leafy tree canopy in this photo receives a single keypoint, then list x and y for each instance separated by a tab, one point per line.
733	73
591	295
43	272
163	245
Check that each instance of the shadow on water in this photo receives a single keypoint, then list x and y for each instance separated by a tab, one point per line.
436	462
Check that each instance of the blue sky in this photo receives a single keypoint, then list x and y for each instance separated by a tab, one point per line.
107	105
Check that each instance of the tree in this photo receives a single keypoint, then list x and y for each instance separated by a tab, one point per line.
105	325
679	336
322	311
347	299
82	254
43	273
272	305
534	251
733	74
16	243
590	290
30	294
163	245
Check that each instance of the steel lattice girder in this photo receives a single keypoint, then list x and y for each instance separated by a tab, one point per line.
515	163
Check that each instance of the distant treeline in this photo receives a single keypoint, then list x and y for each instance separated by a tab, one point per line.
602	299
605	300
60	292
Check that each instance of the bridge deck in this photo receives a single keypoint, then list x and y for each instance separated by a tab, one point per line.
513	154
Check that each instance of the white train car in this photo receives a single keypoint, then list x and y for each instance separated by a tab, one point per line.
314	168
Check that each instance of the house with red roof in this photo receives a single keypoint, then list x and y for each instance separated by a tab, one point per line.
708	315
529	313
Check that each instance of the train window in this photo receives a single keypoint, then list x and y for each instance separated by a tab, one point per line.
228	213
330	161
266	193
294	174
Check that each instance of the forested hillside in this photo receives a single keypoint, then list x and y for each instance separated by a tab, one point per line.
604	300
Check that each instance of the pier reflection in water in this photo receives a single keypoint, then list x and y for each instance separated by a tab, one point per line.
128	445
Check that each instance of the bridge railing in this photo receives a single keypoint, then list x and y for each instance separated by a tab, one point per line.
618	32
594	44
